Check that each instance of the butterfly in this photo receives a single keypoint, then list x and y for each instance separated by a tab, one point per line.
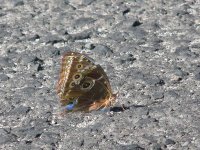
83	85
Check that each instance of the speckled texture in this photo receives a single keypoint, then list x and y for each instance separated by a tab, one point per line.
149	49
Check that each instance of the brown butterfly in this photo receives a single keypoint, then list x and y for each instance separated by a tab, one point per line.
83	85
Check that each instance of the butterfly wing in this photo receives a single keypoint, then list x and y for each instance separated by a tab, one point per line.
100	95
83	86
72	64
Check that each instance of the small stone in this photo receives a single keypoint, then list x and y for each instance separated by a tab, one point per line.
40	68
132	147
87	2
172	94
25	59
6	137
197	76
83	21
157	147
183	51
196	45
136	23
52	39
138	32
176	79
34	37
169	142
179	72
158	95
50	137
37	60
89	46
6	62
154	80
102	50
56	53
2	14
82	35
127	59
117	36
127	10
28	91
3	77
21	110
18	3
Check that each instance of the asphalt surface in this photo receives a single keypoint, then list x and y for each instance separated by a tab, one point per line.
149	49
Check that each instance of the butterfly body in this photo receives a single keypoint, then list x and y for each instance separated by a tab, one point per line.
83	85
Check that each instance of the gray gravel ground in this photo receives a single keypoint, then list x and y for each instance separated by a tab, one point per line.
149	49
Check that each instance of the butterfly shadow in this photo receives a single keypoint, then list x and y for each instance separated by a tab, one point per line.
123	108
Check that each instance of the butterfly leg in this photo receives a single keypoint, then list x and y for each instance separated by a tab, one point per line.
98	105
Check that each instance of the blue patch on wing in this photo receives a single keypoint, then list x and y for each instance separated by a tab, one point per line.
70	106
